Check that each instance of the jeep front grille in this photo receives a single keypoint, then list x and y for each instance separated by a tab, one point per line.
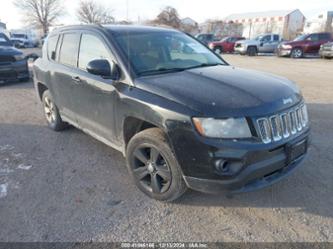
283	125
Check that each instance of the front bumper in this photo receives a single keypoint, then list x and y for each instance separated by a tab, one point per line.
257	176
240	50
326	53
283	52
14	71
252	165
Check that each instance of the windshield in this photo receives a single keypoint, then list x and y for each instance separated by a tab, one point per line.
301	38
19	36
163	52
259	38
4	41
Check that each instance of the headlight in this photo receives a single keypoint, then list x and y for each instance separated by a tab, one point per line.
211	46
286	46
19	57
223	128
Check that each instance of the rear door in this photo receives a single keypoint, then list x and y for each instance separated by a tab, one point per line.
96	96
63	71
313	43
324	38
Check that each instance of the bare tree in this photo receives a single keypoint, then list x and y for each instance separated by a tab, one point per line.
91	12
40	13
221	28
169	17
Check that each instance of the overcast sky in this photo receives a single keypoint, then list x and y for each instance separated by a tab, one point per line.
199	10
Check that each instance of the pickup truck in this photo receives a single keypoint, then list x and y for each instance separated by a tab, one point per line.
266	43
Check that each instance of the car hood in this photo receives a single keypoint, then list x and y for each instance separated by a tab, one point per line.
224	91
9	50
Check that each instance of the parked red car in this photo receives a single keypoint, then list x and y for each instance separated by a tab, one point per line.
226	45
304	44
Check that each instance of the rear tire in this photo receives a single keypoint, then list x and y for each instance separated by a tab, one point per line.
252	51
296	53
52	114
154	167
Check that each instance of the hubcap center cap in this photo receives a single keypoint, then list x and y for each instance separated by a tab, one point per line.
151	167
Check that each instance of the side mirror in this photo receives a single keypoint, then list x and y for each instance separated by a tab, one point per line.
103	68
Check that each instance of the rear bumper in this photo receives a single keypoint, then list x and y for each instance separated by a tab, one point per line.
14	71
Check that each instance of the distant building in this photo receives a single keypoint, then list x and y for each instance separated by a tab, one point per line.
3	26
3	29
287	23
189	25
189	21
320	23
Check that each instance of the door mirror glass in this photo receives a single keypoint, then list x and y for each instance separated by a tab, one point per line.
99	67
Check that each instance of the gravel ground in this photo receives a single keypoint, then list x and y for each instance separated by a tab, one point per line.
69	187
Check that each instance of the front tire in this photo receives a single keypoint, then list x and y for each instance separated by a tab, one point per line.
297	53
154	167
252	51
51	112
218	50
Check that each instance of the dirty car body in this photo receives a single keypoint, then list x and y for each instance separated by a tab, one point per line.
13	63
180	100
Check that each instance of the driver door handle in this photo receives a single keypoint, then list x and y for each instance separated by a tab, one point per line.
76	79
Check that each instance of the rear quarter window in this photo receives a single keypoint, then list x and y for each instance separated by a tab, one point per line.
69	49
52	42
324	36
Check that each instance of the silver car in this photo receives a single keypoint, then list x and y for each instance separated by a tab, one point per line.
266	43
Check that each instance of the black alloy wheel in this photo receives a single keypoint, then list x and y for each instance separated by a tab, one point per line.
151	169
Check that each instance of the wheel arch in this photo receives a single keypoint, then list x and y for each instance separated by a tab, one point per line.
133	125
41	88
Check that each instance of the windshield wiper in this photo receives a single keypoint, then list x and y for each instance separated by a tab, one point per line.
176	69
161	70
205	65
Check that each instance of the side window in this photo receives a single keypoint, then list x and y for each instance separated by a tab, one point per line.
69	49
266	38
91	48
324	36
276	38
52	46
313	37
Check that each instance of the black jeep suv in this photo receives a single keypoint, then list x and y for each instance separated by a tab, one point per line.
13	63
179	113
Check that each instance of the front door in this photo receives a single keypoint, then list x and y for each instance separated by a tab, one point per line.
95	96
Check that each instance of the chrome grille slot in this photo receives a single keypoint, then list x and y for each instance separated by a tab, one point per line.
265	130
276	128
293	121
305	116
283	125
299	119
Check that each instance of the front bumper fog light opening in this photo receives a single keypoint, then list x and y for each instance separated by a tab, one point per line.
227	167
